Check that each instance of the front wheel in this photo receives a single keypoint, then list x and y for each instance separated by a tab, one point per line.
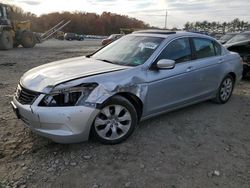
116	121
6	40
16	44
225	90
28	39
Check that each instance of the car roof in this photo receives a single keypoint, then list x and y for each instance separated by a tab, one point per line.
155	31
167	33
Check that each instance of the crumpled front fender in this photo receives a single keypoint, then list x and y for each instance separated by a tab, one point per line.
104	92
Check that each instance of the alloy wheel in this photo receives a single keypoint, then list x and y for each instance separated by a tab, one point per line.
113	122
226	89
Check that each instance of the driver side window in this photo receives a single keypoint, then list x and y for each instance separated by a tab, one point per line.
178	50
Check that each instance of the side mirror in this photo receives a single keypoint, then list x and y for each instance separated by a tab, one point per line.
165	64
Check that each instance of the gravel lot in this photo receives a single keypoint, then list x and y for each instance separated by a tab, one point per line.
205	145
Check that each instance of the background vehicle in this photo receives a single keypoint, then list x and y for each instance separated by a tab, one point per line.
70	36
216	35
200	32
80	37
59	35
111	38
73	36
240	43
226	37
13	34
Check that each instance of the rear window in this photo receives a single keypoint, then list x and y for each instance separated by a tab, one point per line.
203	48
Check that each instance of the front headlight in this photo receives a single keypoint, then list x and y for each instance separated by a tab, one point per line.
68	97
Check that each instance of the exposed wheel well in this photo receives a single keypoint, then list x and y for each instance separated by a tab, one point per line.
136	102
233	75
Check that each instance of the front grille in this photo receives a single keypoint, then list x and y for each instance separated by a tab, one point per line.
25	96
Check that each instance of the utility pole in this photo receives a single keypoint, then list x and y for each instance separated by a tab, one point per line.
166	19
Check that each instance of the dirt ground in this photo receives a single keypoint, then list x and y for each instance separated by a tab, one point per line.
202	146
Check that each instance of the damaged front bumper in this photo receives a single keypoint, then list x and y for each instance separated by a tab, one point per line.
60	124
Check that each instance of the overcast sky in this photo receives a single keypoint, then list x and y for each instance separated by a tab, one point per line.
150	11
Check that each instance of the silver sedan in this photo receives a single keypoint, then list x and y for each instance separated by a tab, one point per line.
139	76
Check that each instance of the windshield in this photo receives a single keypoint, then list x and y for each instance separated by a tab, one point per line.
239	38
227	37
129	50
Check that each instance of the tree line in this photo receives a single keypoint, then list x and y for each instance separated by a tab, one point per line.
108	23
81	22
234	26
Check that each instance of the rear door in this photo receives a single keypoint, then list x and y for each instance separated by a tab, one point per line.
208	64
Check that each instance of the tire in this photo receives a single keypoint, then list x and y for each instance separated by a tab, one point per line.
225	90
6	40
60	38
28	39
15	45
115	122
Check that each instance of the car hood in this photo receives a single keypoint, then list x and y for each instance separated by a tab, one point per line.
49	75
227	45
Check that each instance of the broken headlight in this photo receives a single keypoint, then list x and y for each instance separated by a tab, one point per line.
68	97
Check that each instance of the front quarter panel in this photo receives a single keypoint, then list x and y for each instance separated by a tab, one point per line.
109	89
131	81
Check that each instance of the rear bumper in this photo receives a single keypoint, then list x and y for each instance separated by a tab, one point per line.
60	124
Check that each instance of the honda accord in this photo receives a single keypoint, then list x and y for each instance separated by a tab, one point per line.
109	92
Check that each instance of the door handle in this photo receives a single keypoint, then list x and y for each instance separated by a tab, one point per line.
190	68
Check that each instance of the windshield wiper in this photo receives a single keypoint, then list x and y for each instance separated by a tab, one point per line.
107	61
121	64
88	56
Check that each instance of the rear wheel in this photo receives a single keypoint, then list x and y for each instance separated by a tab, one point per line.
116	121
6	40
225	90
28	39
16	44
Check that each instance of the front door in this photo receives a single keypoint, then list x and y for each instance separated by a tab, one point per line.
170	87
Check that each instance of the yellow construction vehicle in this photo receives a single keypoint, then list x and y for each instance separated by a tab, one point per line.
59	35
13	33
